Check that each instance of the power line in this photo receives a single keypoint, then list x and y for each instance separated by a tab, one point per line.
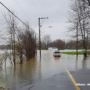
44	6
35	7
22	10
41	6
12	13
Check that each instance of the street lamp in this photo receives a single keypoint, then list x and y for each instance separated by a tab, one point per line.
39	32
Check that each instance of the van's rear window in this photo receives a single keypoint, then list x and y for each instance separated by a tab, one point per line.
56	52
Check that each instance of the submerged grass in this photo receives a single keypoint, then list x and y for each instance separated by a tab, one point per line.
74	53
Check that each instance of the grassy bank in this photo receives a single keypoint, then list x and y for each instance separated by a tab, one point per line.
74	53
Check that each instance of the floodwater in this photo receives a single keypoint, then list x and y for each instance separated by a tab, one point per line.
39	69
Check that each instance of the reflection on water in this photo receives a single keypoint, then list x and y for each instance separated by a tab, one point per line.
57	58
86	63
38	69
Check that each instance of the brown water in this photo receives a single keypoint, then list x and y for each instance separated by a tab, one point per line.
38	69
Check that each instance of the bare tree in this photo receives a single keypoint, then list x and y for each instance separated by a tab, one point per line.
79	20
27	42
60	44
46	41
11	25
87	2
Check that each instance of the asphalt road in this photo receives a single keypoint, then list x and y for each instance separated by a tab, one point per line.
56	82
64	82
82	77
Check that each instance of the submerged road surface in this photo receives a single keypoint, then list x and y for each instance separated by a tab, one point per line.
48	73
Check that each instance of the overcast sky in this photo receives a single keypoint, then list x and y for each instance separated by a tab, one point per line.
56	10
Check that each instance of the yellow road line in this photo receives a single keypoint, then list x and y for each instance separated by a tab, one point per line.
74	82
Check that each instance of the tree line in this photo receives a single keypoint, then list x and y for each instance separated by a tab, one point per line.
62	44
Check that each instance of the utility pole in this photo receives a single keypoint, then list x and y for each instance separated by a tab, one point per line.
77	41
40	33
35	44
39	37
14	44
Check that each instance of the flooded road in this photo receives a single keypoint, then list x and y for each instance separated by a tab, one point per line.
38	69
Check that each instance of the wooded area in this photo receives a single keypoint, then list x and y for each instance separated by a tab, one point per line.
21	38
79	22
